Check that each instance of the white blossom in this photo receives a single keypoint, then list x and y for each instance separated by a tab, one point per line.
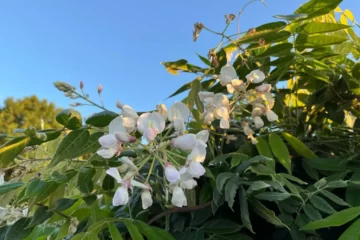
146	199
150	124
227	73
255	76
178	197
171	173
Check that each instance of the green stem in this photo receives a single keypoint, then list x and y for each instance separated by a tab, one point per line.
89	101
175	154
150	170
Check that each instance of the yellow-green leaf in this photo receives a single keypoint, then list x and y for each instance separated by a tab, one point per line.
114	232
133	230
299	147
264	149
321	27
11	149
280	150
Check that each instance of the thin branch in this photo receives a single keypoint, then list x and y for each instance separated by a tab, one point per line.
179	210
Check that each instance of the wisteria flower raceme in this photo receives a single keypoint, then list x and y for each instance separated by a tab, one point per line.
255	76
150	125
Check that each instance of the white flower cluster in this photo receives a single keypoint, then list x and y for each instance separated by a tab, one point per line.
150	125
218	106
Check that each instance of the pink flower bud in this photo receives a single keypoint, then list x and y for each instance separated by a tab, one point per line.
100	88
81	84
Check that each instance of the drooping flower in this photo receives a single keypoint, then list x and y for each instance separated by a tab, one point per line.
178	114
247	130
150	125
255	76
128	161
203	135
185	142
178	197
270	115
259	123
227	73
121	196
171	173
109	146
204	95
263	88
198	153
196	169
146	199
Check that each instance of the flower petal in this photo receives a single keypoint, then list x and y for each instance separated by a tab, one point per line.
107	153
121	197
115	174
116	125
203	135
108	141
185	142
178	198
224	123
146	199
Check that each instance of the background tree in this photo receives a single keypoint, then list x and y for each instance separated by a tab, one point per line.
27	112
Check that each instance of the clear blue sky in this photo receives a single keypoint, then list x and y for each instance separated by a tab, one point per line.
119	44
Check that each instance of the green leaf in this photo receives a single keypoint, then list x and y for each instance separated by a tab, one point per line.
133	230
85	182
193	94
292	178
256	186
352	232
238	158
5	188
272	26
236	236
315	8
316	74
221	180
69	146
263	148
18	230
352	195
332	164
114	232
334	198
11	149
174	67
321	27
272	196
35	187
108	183
253	161
51	134
334	220
337	184
231	189
299	147
204	60
64	203
266	213
153	233
291	17
321	204
317	41
41	215
63	232
280	150
244	209
101	119
311	212
276	50
268	36
221	226
91	145
70	119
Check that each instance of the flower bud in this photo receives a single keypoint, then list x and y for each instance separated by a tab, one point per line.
75	104
263	88
203	135
81	84
203	95
178	198
64	87
271	115
119	104
146	199
161	108
255	76
171	173
100	88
